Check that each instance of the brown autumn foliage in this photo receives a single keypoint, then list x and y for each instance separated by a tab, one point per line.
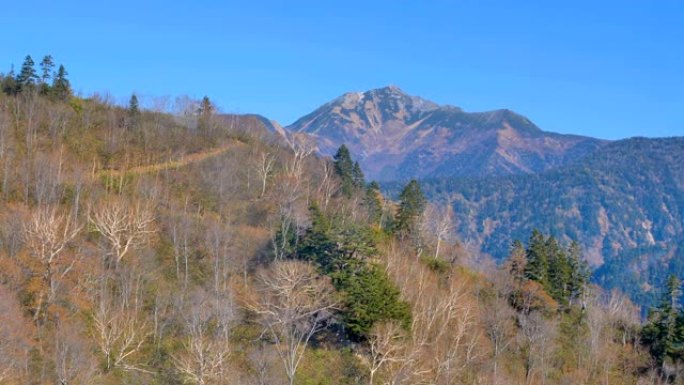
144	254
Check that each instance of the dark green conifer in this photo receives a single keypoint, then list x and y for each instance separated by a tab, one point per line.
345	169
27	77
47	66
558	273
133	112
579	272
205	111
133	105
663	334
341	250
537	259
317	245
411	206
9	83
370	297
61	87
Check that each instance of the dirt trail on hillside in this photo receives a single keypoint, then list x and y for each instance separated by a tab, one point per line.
172	164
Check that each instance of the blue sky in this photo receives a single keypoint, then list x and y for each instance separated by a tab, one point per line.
610	69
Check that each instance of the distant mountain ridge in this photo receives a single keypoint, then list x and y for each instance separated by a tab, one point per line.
396	136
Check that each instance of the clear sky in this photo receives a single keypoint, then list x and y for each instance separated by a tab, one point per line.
609	69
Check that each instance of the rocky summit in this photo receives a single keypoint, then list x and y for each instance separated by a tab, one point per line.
396	136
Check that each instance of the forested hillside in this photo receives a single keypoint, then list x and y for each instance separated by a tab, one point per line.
139	246
624	204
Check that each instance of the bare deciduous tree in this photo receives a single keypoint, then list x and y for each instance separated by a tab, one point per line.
264	167
445	344
181	233
263	360
74	362
124	227
47	178
47	235
329	185
498	322
385	345
292	305
206	349
438	223
291	214
613	337
536	342
120	328
302	146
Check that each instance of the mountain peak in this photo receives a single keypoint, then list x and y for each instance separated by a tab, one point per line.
399	136
390	92
390	89
374	107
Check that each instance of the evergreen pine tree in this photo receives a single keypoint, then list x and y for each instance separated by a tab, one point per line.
132	113
205	111
558	272
47	66
663	332
27	77
133	105
370	297
61	87
537	259
341	249
317	244
411	207
345	169
9	83
579	272
206	107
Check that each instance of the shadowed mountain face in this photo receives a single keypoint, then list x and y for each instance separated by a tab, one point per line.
398	136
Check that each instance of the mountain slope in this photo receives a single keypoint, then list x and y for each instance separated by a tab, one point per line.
624	204
398	136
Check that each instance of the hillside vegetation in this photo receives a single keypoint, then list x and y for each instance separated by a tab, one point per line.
143	247
624	205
